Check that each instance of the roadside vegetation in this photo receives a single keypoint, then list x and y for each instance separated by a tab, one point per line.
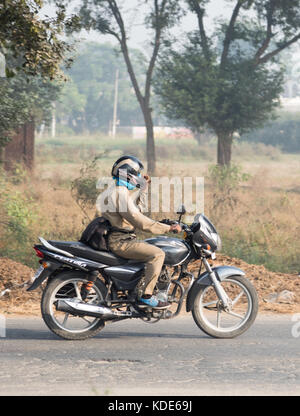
254	204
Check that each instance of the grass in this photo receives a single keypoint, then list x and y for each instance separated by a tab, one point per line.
262	227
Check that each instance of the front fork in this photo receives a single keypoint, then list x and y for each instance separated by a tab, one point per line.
217	286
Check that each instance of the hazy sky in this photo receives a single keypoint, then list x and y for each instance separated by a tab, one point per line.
138	33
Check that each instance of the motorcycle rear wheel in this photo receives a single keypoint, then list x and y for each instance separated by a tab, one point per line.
211	317
67	326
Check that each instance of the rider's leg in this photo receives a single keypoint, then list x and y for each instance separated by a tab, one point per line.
152	256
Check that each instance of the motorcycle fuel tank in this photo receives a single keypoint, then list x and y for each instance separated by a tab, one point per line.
176	250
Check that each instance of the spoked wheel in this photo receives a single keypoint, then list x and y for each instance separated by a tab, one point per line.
216	321
68	326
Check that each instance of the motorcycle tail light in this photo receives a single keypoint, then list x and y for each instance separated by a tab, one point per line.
39	253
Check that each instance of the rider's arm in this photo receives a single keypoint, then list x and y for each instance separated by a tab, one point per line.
130	212
141	201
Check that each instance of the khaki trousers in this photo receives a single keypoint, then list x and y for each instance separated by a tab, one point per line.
127	246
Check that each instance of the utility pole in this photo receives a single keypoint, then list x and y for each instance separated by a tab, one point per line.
53	123
114	124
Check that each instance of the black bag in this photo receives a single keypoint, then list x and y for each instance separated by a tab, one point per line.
96	233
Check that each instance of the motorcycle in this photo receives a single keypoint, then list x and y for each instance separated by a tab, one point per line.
84	288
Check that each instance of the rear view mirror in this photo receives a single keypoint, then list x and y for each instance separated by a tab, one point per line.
181	210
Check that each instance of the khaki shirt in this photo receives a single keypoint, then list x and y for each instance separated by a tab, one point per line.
126	214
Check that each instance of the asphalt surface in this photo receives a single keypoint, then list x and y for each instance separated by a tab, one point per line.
170	358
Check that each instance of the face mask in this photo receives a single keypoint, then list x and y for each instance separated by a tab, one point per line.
122	182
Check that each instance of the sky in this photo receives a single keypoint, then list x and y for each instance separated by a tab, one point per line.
138	33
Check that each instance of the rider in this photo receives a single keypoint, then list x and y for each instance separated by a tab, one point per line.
125	215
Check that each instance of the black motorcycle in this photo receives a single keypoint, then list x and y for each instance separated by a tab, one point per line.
86	288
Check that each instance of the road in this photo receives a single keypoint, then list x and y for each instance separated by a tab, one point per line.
134	358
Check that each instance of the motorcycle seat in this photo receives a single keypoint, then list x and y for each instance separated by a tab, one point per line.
81	250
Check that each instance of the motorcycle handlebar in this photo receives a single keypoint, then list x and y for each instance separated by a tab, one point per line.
183	226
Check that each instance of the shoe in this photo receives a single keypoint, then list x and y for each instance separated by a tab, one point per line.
153	302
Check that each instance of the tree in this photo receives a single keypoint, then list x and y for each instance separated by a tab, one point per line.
229	81
32	47
107	17
34	43
24	100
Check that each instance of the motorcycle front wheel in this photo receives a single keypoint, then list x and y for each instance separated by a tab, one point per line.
214	320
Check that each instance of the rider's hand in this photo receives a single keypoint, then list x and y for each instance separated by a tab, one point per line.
147	179
175	228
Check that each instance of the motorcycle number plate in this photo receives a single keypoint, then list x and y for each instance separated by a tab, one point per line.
38	273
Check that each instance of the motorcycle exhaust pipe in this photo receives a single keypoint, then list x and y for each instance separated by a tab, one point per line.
77	307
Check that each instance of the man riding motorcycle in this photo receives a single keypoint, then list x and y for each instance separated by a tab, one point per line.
125	215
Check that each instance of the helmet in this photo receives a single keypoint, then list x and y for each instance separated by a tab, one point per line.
129	168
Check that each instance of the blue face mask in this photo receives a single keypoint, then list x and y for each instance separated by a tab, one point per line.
122	182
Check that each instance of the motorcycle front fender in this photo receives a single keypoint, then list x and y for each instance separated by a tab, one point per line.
222	272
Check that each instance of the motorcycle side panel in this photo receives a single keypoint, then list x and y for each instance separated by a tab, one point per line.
125	277
176	251
127	272
222	273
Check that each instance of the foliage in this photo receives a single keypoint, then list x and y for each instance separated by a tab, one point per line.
17	217
87	99
226	180
35	43
32	47
83	188
23	98
229	81
193	90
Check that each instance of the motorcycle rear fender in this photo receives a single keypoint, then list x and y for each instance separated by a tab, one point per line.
222	272
53	265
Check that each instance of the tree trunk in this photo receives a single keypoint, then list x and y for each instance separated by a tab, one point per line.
150	145
144	104
20	149
224	148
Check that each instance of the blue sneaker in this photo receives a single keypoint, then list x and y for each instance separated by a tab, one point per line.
153	302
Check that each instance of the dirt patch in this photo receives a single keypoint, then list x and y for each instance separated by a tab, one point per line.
14	278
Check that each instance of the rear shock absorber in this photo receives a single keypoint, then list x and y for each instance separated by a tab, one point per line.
86	287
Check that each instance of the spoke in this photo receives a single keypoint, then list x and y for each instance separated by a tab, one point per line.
91	298
235	314
82	317
237	298
78	295
209	303
65	319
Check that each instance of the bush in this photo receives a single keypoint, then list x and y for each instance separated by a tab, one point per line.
83	188
18	215
226	180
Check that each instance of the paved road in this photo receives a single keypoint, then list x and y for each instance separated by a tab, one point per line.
133	358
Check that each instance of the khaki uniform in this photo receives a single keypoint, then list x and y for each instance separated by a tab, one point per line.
126	214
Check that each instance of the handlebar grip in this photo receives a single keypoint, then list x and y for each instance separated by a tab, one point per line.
166	221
